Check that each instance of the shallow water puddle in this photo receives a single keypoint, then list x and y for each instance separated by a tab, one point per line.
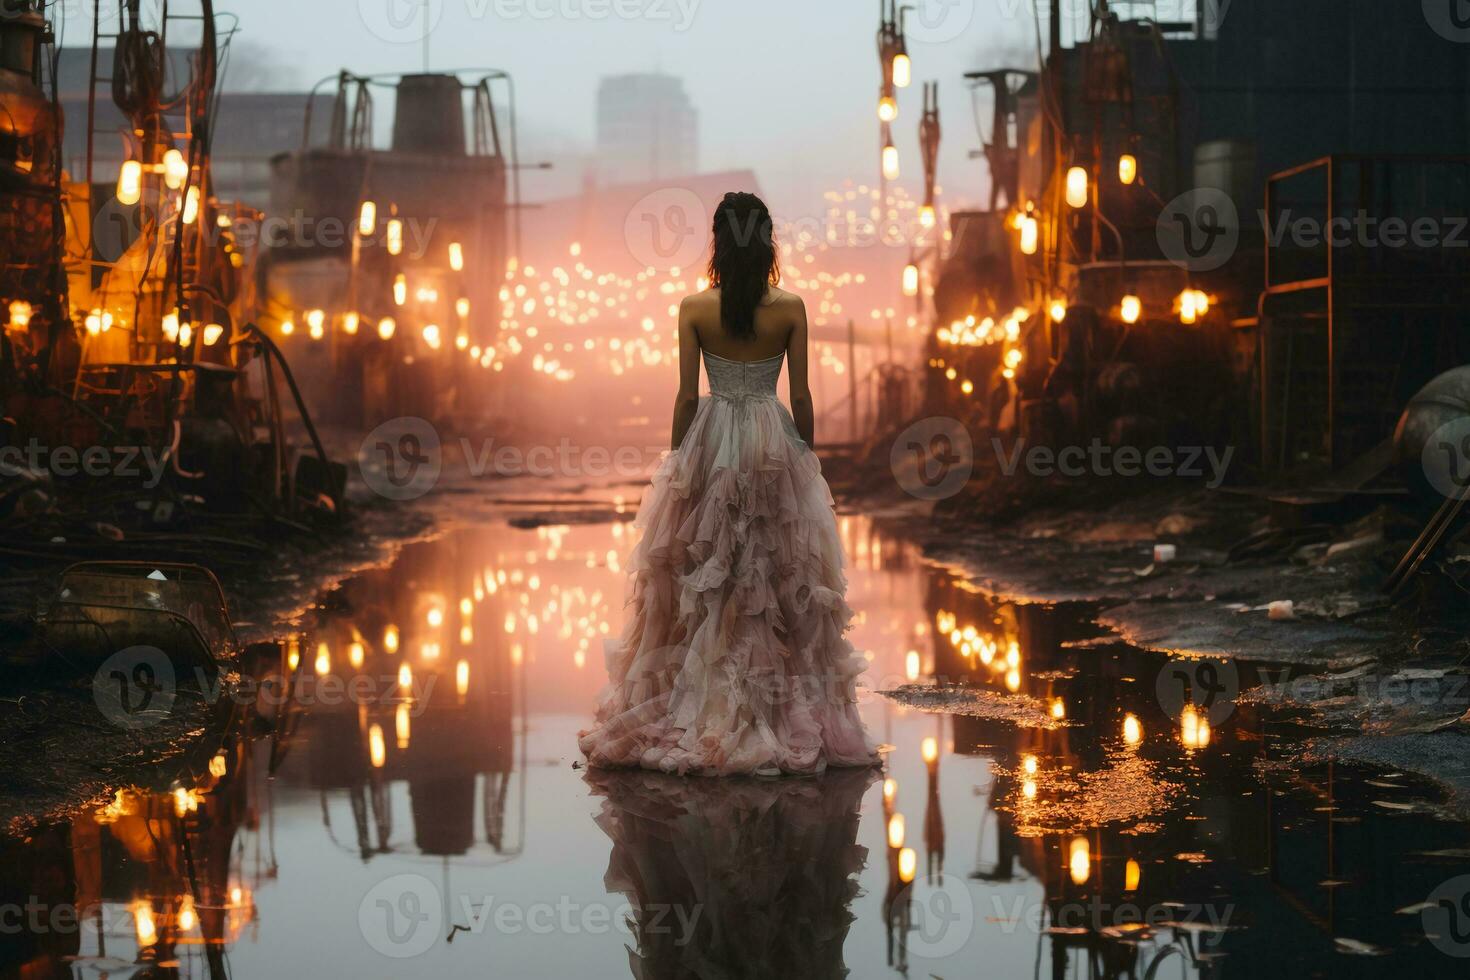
1052	805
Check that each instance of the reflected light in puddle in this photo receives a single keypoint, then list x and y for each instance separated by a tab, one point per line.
377	750
908	863
401	725
1132	729
1079	862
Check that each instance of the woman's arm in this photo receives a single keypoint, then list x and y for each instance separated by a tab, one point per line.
801	393
686	403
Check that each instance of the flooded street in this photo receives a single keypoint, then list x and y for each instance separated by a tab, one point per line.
426	816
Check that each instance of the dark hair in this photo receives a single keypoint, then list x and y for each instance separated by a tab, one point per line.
743	260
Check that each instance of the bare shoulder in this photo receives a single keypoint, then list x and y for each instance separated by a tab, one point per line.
787	302
702	302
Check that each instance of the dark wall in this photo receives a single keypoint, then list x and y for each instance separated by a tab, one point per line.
1311	77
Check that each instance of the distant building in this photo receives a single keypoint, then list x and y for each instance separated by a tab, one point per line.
647	130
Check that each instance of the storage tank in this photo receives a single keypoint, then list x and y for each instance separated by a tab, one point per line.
430	116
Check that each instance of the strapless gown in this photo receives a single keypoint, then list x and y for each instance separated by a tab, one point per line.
734	658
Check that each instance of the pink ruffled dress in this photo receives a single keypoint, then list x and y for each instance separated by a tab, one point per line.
734	658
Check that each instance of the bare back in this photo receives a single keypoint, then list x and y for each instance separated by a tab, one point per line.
775	321
780	328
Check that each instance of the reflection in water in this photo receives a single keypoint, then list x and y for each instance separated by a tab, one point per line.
422	722
735	877
158	876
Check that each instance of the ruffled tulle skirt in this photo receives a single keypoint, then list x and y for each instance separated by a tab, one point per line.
734	658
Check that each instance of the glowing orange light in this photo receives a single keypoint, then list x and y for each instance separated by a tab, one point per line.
1079	861
1127	168
1077	187
1132	729
130	183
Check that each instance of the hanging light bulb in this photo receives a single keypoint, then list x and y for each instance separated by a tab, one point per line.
1127	168
316	323
1130	309
175	170
400	289
903	70
927	217
911	280
386	328
20	314
186	334
1077	187
367	218
171	326
191	206
1030	234
350	323
1188	310
432	336
456	256
395	236
212	333
887	108
462	341
1058	311
287	327
130	183
462	307
890	162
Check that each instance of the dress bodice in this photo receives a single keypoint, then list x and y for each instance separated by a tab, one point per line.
743	379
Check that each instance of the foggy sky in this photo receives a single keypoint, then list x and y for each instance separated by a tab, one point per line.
785	87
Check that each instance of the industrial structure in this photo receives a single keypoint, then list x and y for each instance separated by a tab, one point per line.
1146	273
393	259
129	298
